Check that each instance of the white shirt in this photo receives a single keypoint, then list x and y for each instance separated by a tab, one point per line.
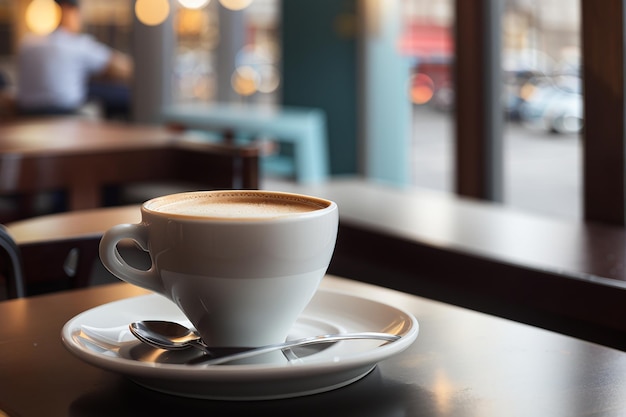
53	70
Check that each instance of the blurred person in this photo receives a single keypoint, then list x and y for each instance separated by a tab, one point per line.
55	70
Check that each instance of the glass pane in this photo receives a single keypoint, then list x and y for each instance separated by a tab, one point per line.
543	103
110	22
197	29
256	76
428	42
197	37
260	57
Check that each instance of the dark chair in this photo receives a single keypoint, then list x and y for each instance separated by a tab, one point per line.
85	162
11	265
58	251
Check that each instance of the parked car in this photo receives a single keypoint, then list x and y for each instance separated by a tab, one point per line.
552	103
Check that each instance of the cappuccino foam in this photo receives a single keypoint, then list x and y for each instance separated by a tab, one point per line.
233	205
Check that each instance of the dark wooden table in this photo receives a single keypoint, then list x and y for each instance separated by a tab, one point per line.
463	363
569	277
82	156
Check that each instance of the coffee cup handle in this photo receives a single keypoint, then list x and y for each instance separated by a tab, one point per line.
115	263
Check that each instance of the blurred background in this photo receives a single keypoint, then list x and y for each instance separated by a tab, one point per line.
381	70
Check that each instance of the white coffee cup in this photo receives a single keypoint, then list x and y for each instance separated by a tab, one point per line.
241	265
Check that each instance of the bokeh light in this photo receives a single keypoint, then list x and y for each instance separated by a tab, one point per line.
235	4
270	78
152	12
245	81
261	59
193	4
43	16
422	88
190	22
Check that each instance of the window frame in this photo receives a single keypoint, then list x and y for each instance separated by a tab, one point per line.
479	158
602	29
479	155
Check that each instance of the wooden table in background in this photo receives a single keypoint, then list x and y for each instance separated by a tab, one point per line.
82	156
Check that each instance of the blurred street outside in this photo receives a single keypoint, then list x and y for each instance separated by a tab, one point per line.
543	170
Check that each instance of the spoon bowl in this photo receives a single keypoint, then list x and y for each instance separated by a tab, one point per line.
175	336
167	335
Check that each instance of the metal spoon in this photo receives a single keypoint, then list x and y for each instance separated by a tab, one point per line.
167	335
175	336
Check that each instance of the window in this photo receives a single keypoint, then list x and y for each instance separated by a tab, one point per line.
225	56
542	99
537	149
427	41
602	63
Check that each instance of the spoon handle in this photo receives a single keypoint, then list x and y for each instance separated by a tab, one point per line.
307	341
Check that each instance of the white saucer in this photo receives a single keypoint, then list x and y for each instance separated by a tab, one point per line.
330	367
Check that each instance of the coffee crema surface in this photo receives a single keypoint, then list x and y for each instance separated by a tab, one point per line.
233	205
